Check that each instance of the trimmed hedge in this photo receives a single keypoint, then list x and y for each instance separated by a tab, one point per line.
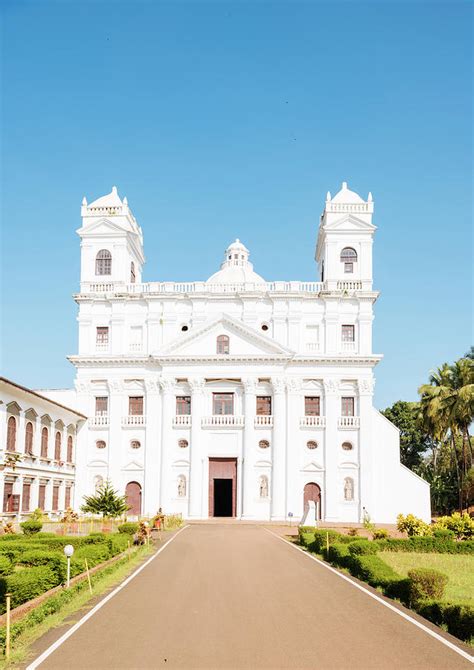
338	554
426	545
55	561
26	585
128	528
426	584
362	547
458	619
6	566
31	527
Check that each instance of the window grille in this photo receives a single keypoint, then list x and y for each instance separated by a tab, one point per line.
264	405
347	406
183	405
102	335
103	262
223	344
223	403
101	406
348	333
312	406
135	405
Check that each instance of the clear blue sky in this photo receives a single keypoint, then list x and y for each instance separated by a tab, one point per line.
232	119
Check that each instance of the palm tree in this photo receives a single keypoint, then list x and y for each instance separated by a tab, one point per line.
447	410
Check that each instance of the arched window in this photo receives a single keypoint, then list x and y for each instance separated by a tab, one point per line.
348	257
11	434
181	486
98	482
347	446
29	438
135	444
263	486
264	444
132	273
103	262
69	449
222	344
57	447
183	444
312	444
44	442
348	488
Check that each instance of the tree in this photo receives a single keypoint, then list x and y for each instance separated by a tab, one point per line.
106	501
470	353
414	441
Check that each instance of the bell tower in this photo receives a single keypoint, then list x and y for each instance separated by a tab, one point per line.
345	237
111	242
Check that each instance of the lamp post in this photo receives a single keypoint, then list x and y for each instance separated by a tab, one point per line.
68	550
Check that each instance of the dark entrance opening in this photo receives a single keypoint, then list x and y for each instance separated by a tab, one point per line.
223	497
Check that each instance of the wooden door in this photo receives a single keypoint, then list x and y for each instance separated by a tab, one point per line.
312	492
133	493
222	468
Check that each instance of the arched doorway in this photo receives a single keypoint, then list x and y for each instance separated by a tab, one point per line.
312	492
133	493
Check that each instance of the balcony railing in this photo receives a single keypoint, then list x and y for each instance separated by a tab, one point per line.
134	420
135	346
99	421
348	422
349	285
264	421
348	347
102	346
312	346
182	420
222	420
312	421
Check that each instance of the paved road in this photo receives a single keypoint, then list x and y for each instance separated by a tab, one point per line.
238	597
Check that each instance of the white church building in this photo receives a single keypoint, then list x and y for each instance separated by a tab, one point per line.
235	396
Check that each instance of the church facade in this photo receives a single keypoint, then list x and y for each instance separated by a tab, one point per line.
235	396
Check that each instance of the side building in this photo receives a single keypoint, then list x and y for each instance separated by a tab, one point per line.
38	446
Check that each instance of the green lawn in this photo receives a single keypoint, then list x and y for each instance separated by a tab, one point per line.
458	567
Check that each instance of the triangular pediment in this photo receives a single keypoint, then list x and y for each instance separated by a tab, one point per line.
313	467
243	341
97	463
351	224
133	466
104	227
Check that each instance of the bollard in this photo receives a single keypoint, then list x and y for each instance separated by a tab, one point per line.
88	576
7	633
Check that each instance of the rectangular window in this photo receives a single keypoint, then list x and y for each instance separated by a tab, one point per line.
55	498
183	404
7	497
102	335
136	338
101	406
312	406
348	268
41	496
264	405
223	403
347	406
135	405
67	499
348	333
25	498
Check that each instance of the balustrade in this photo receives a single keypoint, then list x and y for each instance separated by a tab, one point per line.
99	421
263	421
312	421
134	420
182	420
348	422
220	420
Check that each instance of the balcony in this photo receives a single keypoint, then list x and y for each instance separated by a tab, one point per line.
348	422
135	347
99	421
348	347
264	421
312	421
312	347
182	421
223	421
102	347
133	420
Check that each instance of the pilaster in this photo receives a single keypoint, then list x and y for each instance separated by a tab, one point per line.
294	496
366	463
197	463
114	441
330	508
278	503
168	409
152	456
247	485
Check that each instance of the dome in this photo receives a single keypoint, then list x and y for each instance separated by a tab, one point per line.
236	268
347	196
110	200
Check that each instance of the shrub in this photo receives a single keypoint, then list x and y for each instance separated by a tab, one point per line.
359	547
27	584
353	532
31	527
458	619
373	570
380	534
321	536
461	524
412	525
443	534
426	544
54	560
94	554
426	584
6	565
338	554
129	528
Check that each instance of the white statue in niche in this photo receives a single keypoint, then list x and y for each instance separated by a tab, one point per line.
263	487
181	486
348	489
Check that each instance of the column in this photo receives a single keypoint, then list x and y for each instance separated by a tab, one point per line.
48	498
114	442
278	447
294	493
152	456
330	493
366	493
248	485
37	428
168	410
197	464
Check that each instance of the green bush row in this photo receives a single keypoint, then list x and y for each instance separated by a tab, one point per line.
26	585
440	545
129	528
458	619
